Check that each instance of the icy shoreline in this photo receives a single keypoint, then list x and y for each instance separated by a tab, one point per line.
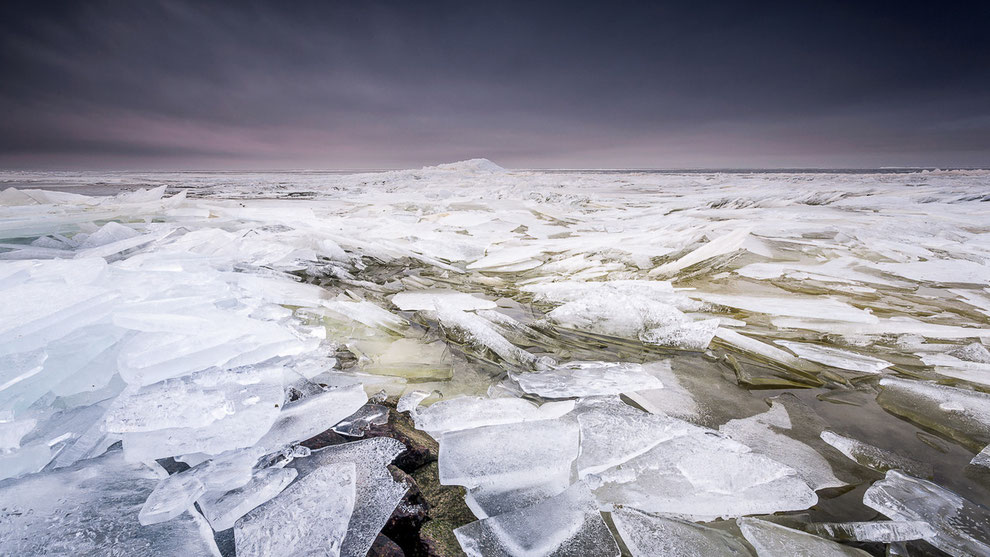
592	352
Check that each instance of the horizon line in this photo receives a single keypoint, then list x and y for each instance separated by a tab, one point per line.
729	169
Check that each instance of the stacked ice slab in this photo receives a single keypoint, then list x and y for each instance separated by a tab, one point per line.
540	478
177	342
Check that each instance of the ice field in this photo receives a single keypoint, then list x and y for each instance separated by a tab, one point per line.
634	363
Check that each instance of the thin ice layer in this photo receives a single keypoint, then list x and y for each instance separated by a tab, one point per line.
164	504
774	540
310	517
11	432
689	335
982	458
435	299
569	291
358	423
575	379
470	412
969	363
962	414
884	531
758	348
876	458
613	432
701	476
834	357
492	500
764	433
812	308
566	524
648	535
91	508
16	367
178	491
730	242
199	400
509	455
962	527
614	314
149	357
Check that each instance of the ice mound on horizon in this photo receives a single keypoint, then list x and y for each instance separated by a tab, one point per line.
470	165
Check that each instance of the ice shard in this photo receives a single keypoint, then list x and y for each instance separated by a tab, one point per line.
376	493
436	299
648	535
834	357
701	476
774	540
310	517
613	432
567	524
767	434
577	379
962	527
509	454
885	531
961	414
304	418
876	458
210	412
470	412
223	508
91	508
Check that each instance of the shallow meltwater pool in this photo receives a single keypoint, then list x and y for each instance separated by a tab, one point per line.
494	362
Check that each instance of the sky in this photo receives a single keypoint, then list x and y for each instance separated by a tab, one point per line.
372	85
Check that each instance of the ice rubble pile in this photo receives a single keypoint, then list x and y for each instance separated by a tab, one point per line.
539	477
183	351
140	332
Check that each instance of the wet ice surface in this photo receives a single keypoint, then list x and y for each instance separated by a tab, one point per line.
695	363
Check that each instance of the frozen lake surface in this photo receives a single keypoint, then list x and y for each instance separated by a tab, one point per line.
641	362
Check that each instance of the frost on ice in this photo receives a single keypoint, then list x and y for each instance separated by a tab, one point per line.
584	348
311	516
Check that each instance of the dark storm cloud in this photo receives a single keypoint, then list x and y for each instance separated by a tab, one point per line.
263	85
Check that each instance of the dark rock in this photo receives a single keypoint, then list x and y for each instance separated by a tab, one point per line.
423	523
325	439
447	512
384	547
410	514
421	449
